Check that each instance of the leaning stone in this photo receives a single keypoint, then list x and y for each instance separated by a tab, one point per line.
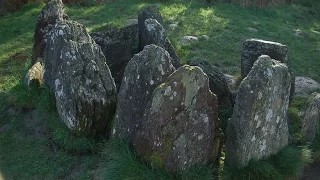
310	121
142	75
258	127
173	26
84	89
149	12
180	126
154	33
118	46
34	77
218	85
305	86
53	11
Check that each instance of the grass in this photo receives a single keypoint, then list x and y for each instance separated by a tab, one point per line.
59	154
123	164
288	163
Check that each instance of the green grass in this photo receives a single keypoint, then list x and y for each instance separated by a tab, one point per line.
288	163
122	163
60	154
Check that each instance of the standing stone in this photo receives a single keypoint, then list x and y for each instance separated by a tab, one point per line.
180	126
53	11
310	121
118	46
144	72
149	12
258	127
253	48
154	33
84	89
218	85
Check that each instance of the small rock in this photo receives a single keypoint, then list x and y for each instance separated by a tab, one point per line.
204	37
34	77
188	39
255	22
173	26
305	86
298	33
131	21
251	29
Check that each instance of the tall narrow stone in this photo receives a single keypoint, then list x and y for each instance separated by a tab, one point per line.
258	127
310	121
180	127
144	72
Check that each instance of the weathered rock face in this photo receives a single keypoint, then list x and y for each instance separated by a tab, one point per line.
118	46
34	77
310	121
180	125
154	33
62	32
218	85
149	12
53	11
258	126
305	86
84	89
142	75
253	48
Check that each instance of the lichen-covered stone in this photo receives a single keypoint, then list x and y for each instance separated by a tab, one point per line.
34	76
149	12
180	127
76	71
154	33
310	121
258	127
253	48
144	72
53	11
218	85
118	46
305	86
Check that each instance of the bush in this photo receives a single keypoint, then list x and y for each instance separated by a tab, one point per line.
260	3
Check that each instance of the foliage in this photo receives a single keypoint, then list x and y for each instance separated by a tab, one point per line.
288	163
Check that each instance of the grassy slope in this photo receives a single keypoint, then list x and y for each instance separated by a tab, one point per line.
225	24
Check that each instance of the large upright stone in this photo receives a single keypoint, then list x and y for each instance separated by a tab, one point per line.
154	33
53	11
253	48
310	121
148	12
118	46
144	72
218	85
84	89
258	127
180	126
